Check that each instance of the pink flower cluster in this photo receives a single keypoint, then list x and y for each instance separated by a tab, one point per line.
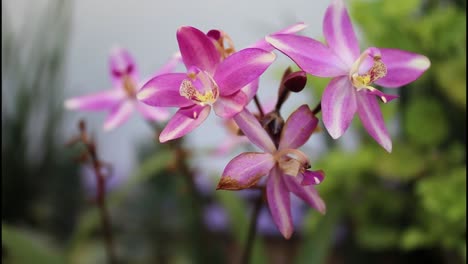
220	78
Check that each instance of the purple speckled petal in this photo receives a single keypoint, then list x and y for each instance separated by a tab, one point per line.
312	177
182	123
307	193
245	170
310	55
250	90
170	65
254	131
227	107
262	44
338	106
403	67
197	49
152	113
339	32
298	128
371	117
121	63
279	203
97	101
163	90
241	68
118	115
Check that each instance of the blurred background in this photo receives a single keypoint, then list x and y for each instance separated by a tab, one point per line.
405	207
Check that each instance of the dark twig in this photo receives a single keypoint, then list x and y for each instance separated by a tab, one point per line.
90	153
317	108
252	230
259	106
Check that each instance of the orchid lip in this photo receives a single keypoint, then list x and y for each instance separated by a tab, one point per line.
199	87
129	86
292	161
377	70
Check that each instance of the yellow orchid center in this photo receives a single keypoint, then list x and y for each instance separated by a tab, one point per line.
129	86
364	81
199	88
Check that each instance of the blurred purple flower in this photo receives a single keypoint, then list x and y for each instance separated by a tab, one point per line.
286	166
121	99
350	90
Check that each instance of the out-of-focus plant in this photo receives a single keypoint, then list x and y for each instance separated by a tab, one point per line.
38	183
409	205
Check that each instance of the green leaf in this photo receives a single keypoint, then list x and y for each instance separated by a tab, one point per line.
22	246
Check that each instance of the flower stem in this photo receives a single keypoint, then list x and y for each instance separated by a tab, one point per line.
317	108
252	230
259	106
91	154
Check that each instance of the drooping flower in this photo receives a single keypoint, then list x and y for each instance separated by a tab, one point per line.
209	81
121	99
350	90
286	166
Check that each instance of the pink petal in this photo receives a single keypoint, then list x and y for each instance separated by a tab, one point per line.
97	101
339	32
279	203
338	106
245	170
163	90
121	64
312	177
118	115
371	117
383	96
254	131
241	68
181	123
170	65
197	49
262	44
310	55
403	67
227	107
250	90
152	113
298	128
307	193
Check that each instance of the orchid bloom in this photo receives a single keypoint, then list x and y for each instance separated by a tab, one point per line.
285	165
209	81
351	89
121	99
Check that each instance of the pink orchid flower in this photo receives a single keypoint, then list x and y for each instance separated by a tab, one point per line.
350	90
285	165
121	99
209	81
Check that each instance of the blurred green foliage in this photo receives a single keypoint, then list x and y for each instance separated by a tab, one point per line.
409	205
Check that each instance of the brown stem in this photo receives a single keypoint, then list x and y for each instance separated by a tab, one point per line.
317	108
259	106
252	230
91	153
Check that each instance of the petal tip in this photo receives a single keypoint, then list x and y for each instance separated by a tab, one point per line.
70	104
420	63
